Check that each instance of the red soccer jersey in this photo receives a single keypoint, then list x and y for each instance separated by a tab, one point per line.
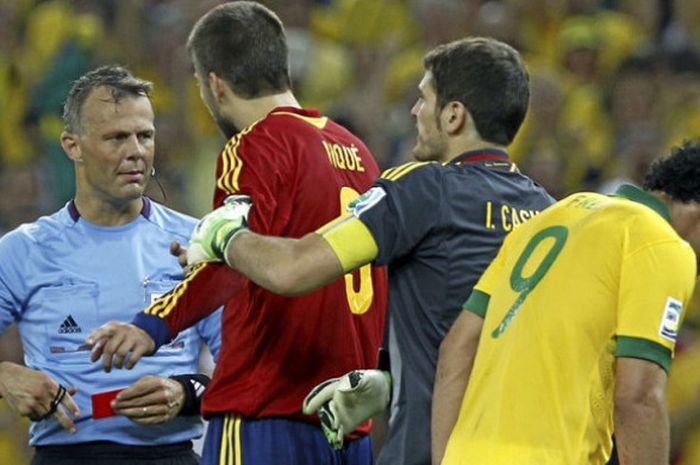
300	169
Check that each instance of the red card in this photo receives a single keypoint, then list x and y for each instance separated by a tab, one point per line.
100	404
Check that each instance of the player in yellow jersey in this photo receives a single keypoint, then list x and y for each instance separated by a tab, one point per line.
569	334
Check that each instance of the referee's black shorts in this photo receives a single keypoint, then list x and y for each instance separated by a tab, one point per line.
110	453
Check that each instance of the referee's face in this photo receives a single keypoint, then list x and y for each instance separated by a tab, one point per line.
115	148
431	143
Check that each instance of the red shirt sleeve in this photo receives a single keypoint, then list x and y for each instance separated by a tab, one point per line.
206	288
240	170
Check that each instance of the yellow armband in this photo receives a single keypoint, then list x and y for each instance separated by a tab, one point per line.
351	241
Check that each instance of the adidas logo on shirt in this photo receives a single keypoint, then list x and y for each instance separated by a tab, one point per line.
69	326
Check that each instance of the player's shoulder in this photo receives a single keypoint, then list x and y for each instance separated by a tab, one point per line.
625	208
645	222
606	207
286	123
265	137
298	116
171	221
301	124
412	171
642	221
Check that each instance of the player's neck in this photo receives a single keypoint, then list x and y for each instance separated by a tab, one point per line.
466	139
105	213
258	108
455	150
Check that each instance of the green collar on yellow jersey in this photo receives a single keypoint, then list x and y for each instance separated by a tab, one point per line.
636	194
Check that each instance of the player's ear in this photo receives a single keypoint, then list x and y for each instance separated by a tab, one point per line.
218	87
70	144
455	116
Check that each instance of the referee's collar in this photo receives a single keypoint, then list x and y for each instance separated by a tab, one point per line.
638	195
474	156
145	209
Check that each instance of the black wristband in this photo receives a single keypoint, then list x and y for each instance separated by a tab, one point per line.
193	386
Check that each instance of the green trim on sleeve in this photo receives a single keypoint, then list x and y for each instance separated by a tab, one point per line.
477	303
634	347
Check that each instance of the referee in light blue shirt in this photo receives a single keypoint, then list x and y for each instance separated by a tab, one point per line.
104	256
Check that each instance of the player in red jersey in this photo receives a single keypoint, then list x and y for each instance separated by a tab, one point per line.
300	169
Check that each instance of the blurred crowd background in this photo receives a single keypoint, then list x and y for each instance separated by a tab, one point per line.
615	83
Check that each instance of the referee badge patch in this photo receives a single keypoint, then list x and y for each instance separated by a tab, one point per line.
366	201
671	319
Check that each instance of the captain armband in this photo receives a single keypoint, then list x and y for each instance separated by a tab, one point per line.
351	241
193	387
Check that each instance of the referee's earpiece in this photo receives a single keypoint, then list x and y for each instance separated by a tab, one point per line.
160	186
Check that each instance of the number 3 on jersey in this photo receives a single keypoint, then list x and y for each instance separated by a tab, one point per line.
359	301
525	285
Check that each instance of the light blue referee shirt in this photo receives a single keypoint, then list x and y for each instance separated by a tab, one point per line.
62	277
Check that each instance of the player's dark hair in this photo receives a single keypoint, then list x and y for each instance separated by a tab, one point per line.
243	43
119	80
677	175
489	78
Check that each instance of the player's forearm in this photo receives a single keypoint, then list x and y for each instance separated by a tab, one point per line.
640	416
447	400
642	431
282	265
455	363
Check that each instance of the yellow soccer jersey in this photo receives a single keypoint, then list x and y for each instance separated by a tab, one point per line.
589	279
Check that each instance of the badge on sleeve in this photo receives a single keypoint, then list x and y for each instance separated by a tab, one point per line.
366	201
671	319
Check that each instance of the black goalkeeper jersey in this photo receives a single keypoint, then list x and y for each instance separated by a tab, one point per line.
437	226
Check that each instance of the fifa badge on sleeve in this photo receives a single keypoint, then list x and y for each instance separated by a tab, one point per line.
670	321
